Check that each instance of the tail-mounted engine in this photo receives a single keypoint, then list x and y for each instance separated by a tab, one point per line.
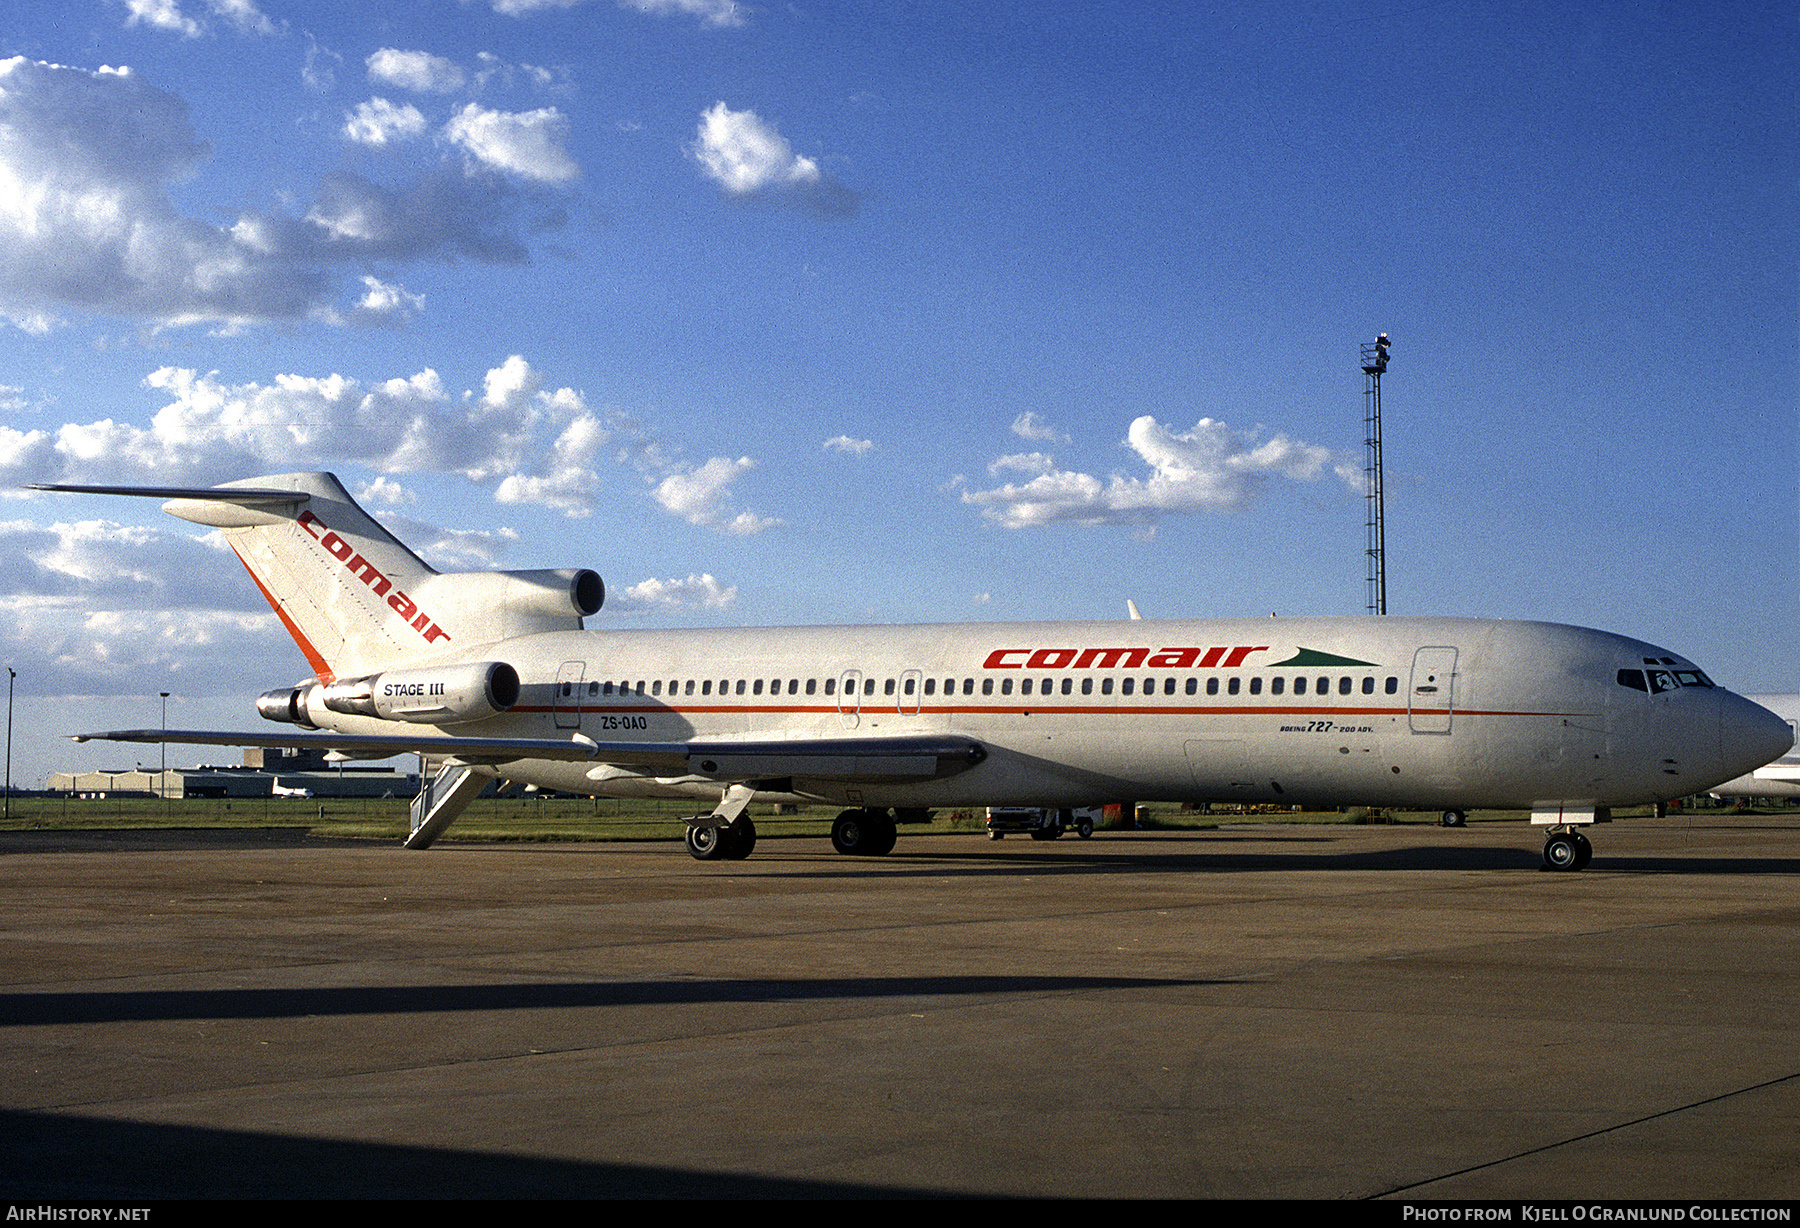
426	695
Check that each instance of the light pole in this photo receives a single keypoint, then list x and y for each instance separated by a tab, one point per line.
11	673
162	775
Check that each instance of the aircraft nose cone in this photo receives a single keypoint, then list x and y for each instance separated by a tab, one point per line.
1750	735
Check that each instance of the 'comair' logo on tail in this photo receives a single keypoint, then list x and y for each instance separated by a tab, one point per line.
370	575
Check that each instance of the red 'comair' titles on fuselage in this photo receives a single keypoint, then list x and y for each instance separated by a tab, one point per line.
370	575
1224	657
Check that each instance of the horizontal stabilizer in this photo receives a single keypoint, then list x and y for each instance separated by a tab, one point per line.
213	493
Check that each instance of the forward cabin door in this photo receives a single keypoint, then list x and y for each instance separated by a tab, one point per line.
567	704
1432	697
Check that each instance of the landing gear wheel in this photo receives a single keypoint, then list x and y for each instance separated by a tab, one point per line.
709	842
1562	851
741	835
885	835
1455	818
863	833
1584	851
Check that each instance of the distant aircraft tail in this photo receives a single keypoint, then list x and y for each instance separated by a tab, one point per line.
353	597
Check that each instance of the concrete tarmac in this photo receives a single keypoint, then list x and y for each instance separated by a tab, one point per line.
1325	1012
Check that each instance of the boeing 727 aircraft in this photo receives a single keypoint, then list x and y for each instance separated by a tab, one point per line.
492	674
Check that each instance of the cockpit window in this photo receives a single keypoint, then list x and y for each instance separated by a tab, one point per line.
1658	681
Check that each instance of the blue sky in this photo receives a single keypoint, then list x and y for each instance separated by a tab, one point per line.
833	313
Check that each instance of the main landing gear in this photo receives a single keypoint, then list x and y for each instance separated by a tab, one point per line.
864	833
1567	849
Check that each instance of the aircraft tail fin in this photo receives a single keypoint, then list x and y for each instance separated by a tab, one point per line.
353	597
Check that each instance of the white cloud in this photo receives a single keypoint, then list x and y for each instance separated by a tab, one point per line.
385	490
161	15
87	160
702	591
526	143
378	123
849	446
719	13
699	494
532	444
387	302
1210	468
710	12
240	15
418	71
748	157
1029	425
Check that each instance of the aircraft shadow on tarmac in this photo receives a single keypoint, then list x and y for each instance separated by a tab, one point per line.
53	1157
114	1006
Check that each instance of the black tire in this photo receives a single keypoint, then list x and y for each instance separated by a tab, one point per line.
708	842
1562	852
742	833
1455	818
850	833
885	834
1584	851
1085	828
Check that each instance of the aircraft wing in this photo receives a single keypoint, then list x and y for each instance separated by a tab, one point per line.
924	756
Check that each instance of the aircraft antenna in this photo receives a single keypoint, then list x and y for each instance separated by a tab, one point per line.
1374	362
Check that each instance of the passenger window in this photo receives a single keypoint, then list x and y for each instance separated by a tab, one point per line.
968	686
1006	686
831	686
907	686
1068	685
812	686
1106	686
869	686
887	688
656	687
1343	686
1256	686
1299	686
987	686
1125	687
1231	687
1087	686
1368	686
1277	685
1393	686
740	686
1324	686
756	687
1212	686
1024	686
1169	686
1193	686
688	687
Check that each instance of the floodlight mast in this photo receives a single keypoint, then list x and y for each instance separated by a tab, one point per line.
1374	362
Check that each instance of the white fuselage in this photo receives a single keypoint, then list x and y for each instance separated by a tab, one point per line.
1419	712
